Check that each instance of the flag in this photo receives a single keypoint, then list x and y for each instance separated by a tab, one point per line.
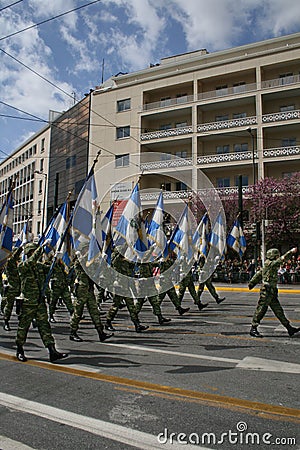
236	239
155	231
130	229
217	239
106	230
57	229
6	227
24	236
95	243
181	239
200	238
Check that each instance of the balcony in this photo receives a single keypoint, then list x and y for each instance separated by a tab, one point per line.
168	195
226	124
226	157
178	195
281	116
168	102
280	82
281	151
167	164
171	132
232	90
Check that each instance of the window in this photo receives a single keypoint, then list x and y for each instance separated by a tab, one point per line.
181	186
166	126
221	90
123	132
166	187
181	124
222	149
239	87
71	161
123	105
42	165
288	174
34	149
43	146
181	98
286	78
287	108
40	186
182	154
122	160
244	180
39	207
165	101
239	115
38	227
165	156
222	117
241	147
288	142
223	182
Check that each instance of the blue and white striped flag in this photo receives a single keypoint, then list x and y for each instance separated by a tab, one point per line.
85	209
24	236
217	238
106	229
236	239
181	240
200	238
155	231
130	229
6	228
56	229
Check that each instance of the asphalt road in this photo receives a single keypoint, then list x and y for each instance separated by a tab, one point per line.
200	380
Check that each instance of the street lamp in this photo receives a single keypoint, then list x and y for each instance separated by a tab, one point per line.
39	172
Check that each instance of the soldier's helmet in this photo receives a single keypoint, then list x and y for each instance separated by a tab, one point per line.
273	253
31	246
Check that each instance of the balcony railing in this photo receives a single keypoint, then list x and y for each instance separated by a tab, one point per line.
232	90
225	124
158	134
279	116
167	163
226	157
168	102
177	195
283	81
149	196
281	151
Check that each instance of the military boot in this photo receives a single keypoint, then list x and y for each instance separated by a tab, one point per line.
202	306
109	326
104	336
54	355
220	300
51	319
182	310
162	320
254	332
292	330
6	326
20	354
74	337
139	327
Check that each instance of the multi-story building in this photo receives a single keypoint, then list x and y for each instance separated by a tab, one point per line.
229	114
27	166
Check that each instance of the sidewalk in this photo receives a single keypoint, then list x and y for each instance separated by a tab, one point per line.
242	287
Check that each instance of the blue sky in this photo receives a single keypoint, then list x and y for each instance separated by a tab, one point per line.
127	34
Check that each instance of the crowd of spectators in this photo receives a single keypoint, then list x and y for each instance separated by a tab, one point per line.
237	271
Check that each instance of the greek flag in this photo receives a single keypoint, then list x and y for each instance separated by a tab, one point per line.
217	238
236	239
24	236
200	238
106	229
57	228
155	231
95	244
6	228
181	239
85	209
130	229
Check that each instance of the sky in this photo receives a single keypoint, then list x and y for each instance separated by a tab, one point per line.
50	56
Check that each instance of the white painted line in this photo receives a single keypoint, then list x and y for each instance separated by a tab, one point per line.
268	365
127	436
9	444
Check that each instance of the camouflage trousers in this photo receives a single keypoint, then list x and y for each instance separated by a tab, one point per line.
58	291
34	310
154	302
188	282
172	296
9	301
210	287
115	307
85	297
269	297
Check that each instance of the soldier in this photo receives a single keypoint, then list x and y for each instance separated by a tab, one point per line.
32	279
59	288
188	282
85	295
268	275
125	267
209	285
12	289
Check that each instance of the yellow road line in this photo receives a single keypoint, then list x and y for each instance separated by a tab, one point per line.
245	289
211	399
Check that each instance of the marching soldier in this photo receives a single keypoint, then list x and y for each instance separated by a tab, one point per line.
59	288
188	283
209	285
12	288
32	280
268	276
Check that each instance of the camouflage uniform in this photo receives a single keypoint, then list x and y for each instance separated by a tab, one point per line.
208	284
164	266
188	282
59	289
12	289
268	275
